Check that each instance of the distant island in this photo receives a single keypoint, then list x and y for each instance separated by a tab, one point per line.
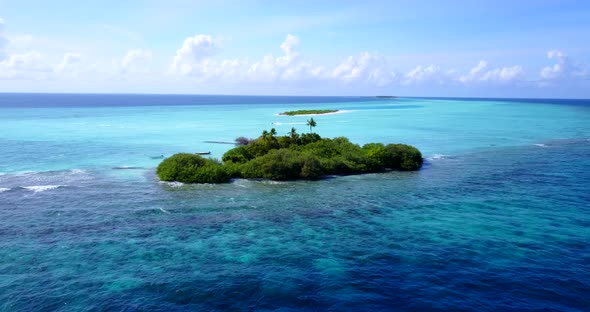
291	157
309	112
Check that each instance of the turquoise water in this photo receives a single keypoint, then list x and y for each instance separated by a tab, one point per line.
498	219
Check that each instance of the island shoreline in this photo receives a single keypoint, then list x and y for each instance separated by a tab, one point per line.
319	114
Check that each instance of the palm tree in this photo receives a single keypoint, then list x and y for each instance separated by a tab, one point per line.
273	132
264	134
293	133
311	123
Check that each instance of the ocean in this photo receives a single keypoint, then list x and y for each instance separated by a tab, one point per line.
498	219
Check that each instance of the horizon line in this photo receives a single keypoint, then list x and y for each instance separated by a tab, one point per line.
283	95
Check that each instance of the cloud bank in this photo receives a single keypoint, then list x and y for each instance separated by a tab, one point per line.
564	68
198	61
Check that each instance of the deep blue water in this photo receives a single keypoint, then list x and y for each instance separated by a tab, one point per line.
497	220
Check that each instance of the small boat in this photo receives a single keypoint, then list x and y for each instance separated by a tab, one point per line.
203	153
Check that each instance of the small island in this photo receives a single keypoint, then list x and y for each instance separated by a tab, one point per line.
309	112
291	157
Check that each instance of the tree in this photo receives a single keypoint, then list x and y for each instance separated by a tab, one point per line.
264	134
293	133
272	132
311	123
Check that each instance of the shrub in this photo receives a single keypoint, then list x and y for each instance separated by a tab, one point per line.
403	157
311	168
210	173
177	166
190	168
377	156
279	164
262	146
233	169
290	157
307	138
240	154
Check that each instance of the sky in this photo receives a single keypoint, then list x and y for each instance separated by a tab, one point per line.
523	48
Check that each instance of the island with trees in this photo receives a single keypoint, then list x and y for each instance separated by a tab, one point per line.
386	97
293	156
309	112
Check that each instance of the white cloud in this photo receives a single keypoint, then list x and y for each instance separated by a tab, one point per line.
303	72
478	69
288	46
425	74
29	65
3	40
193	50
196	59
479	73
503	74
564	67
557	70
212	70
263	71
28	61
69	64
133	60
24	66
364	67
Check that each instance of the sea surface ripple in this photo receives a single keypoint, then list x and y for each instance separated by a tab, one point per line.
488	228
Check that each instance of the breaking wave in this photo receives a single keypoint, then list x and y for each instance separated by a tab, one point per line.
42	188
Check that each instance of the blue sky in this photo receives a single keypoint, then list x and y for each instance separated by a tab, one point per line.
512	48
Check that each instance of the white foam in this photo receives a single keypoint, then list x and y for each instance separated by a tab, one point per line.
28	172
241	182
540	145
4	189
23	173
42	188
173	183
437	156
288	123
164	210
271	182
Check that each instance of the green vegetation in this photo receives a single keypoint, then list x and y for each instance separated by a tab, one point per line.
311	123
191	168
293	156
309	112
